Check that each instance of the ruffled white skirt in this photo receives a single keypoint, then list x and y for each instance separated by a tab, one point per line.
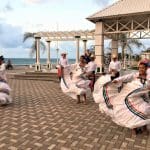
127	109
5	93
73	88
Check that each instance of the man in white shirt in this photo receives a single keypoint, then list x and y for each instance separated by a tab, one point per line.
90	71
91	66
62	63
63	60
114	67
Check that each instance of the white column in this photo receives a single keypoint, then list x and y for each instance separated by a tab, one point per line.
84	45
77	48
114	47
99	47
48	54
37	64
125	59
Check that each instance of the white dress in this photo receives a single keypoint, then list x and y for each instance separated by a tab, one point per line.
73	83
104	93
129	108
4	87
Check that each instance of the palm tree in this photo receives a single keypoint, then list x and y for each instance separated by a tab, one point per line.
148	50
29	35
127	45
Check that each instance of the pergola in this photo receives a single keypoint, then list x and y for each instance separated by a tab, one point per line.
67	35
125	16
61	36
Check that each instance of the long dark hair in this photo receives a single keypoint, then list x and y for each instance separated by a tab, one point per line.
2	58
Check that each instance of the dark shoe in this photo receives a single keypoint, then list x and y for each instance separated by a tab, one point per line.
138	131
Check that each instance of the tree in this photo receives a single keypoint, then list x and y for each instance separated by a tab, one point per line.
127	44
29	35
148	50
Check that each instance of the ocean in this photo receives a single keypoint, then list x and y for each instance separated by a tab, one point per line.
31	61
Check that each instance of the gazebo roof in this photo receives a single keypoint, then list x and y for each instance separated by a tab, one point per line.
122	8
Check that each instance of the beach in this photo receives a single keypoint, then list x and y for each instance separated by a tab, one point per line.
42	117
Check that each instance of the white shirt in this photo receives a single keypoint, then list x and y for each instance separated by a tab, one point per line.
116	65
63	62
130	78
91	66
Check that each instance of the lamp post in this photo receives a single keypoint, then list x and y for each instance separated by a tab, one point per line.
57	50
37	64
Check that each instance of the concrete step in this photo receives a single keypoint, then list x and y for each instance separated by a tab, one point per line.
35	76
40	73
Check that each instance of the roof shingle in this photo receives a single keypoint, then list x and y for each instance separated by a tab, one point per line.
122	8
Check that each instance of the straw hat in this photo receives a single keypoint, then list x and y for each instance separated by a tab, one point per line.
92	56
63	53
114	56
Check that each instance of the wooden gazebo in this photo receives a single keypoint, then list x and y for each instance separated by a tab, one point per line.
125	16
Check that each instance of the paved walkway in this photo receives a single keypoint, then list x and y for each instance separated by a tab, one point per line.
43	118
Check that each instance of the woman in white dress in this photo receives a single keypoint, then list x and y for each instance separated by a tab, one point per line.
129	108
74	83
4	87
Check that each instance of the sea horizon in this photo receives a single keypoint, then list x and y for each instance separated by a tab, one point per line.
31	61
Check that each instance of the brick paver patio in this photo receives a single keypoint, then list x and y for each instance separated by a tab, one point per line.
43	118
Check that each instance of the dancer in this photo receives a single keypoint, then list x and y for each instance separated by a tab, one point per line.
90	71
74	83
147	61
4	87
131	107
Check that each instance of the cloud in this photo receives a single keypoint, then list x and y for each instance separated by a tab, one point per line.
36	1
33	1
11	41
8	8
41	1
11	36
104	3
98	2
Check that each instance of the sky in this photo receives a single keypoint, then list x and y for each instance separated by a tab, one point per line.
20	16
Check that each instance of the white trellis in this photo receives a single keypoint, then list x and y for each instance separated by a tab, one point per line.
125	16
